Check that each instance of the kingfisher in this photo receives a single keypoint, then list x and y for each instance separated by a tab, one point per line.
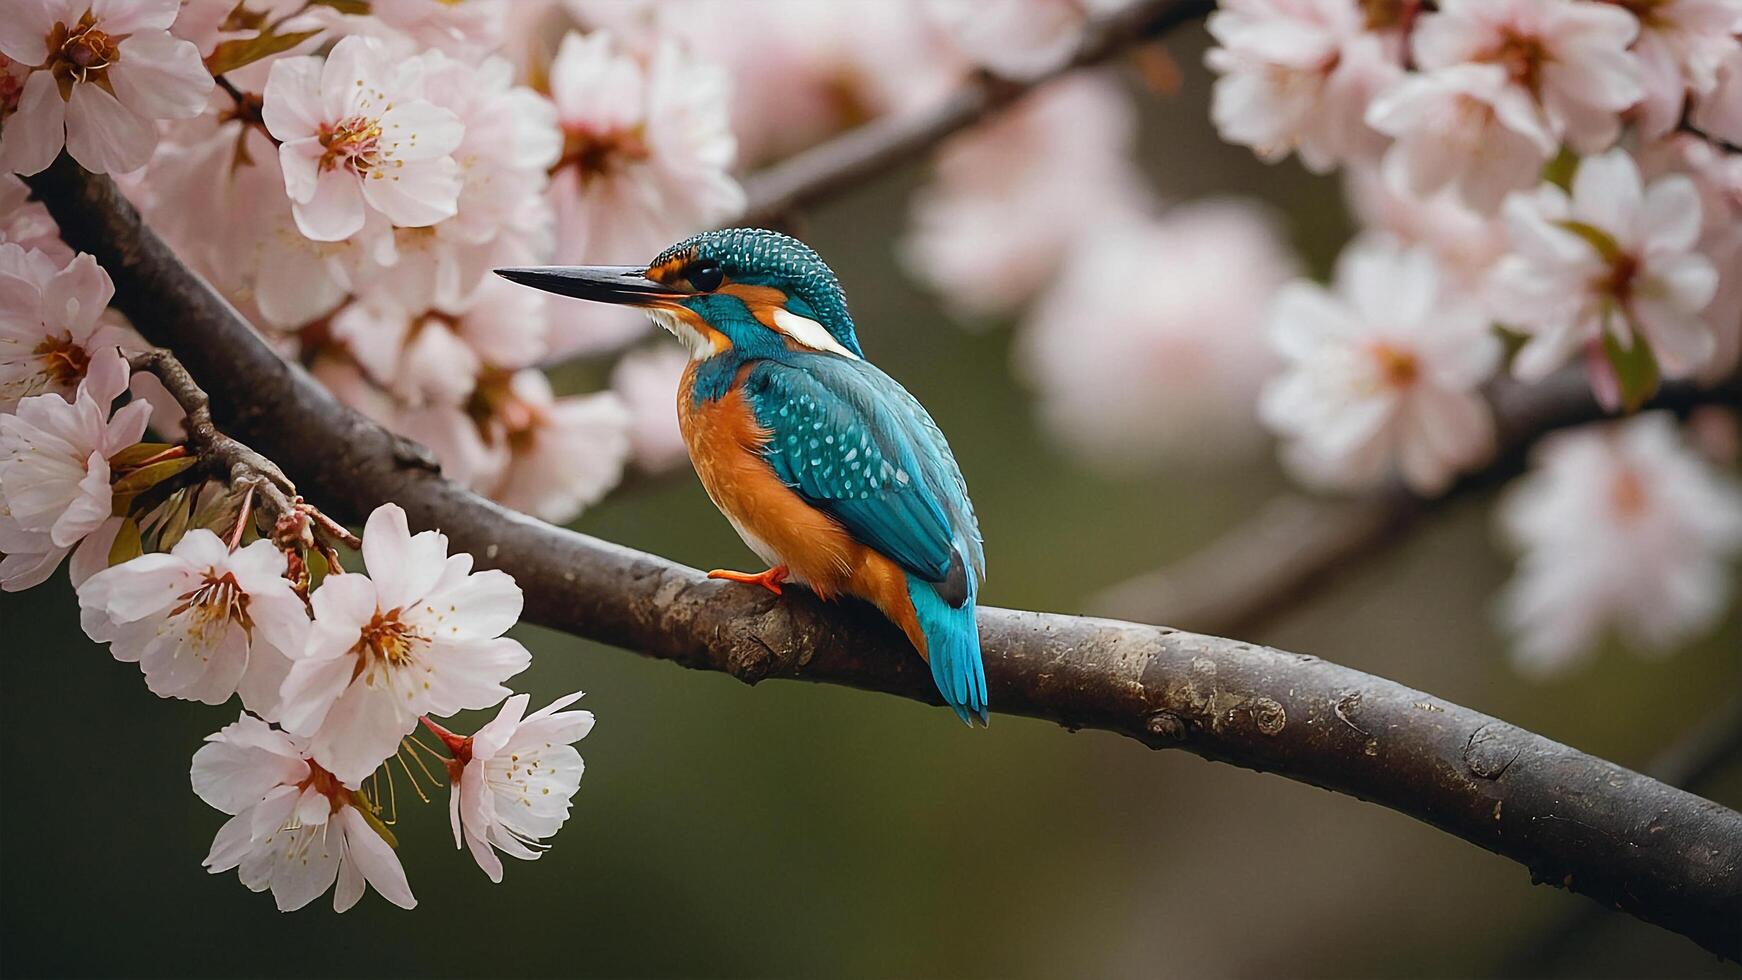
829	470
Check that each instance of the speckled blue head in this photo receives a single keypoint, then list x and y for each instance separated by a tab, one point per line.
753	289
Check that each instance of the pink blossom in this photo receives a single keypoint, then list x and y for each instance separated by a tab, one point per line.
1383	373
1719	113
1297	76
50	331
647	381
1129	376
1013	38
1467	244
421	633
203	622
1466	128
648	148
1064	153
1619	527
1569	58
566	453
358	138
514	778
1614	258
294	827
101	75
54	454
1682	44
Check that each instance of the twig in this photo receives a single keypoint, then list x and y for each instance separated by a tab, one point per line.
1574	820
1297	547
848	160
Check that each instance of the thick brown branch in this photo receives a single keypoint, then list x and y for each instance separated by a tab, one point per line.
875	148
1297	547
1574	820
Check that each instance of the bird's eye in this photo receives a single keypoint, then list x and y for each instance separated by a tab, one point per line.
705	275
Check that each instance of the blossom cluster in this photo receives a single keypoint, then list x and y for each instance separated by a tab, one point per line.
1541	187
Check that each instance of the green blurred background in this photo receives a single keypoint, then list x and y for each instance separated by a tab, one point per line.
797	830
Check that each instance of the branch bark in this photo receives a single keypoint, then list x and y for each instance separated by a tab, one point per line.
1574	820
1298	547
876	147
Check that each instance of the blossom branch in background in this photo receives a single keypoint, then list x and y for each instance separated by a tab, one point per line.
1298	546
1576	821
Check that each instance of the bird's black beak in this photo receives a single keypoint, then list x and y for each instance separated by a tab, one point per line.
626	285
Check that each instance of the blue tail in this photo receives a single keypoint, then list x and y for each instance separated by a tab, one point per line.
953	647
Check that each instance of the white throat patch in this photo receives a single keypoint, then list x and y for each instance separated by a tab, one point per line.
809	332
700	347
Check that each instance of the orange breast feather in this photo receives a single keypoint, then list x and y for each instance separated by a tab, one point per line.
725	443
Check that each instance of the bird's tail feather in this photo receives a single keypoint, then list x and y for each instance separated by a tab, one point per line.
953	648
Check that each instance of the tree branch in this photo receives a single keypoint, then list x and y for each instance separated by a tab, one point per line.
1574	820
859	154
1297	547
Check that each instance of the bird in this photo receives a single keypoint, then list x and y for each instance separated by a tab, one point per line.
828	468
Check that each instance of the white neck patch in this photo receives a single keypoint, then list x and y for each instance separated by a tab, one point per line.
809	332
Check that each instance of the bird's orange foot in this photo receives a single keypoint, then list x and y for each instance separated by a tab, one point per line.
769	580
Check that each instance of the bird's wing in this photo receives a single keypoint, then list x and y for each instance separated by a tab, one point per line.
858	447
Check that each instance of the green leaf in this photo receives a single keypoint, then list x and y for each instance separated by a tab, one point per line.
127	545
1635	368
358	7
1559	171
232	55
317	569
147	477
135	454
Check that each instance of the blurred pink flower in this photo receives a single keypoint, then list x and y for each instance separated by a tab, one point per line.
648	149
1466	244
1719	113
1129	376
1717	177
1383	373
1012	198
566	453
1612	247
26	223
121	71
50	326
1569	58
1681	45
1297	76
1465	128
1014	38
1618	527
464	28
358	137
647	380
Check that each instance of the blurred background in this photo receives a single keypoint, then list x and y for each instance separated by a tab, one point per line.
797	830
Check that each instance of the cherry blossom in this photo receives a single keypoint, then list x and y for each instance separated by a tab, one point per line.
1614	258
420	633
1129	376
1383	372
203	622
1014	37
294	827
1065	153
513	780
54	454
1297	76
565	452
647	148
1719	113
27	224
647	380
49	327
1569	58
1682	44
1466	244
30	557
1466	128
100	75
358	137
1619	527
